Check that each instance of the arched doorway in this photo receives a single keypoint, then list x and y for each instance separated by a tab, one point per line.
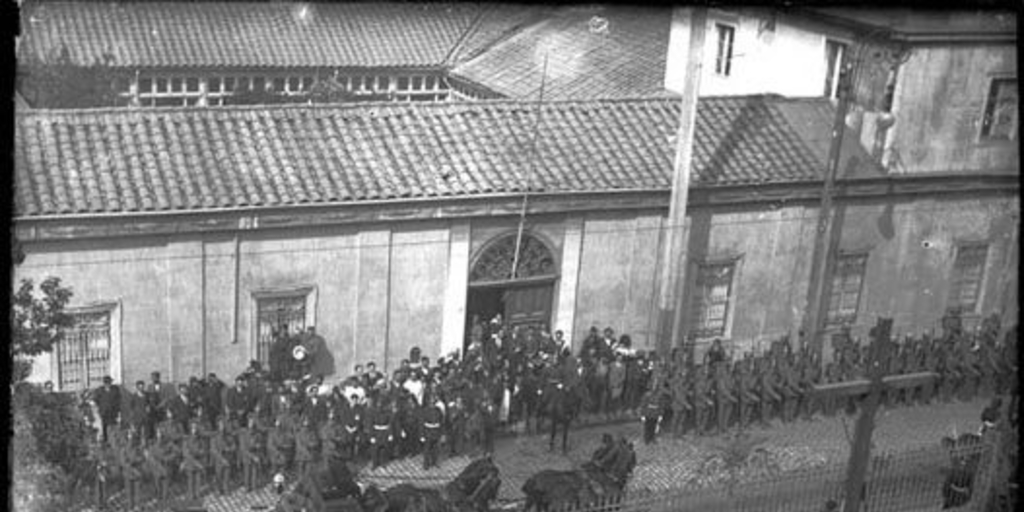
526	298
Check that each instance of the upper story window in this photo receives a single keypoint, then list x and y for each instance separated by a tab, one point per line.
968	275
835	59
226	89
714	294
1000	118
723	55
847	284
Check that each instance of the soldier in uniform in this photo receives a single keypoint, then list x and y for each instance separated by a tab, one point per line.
381	437
222	455
769	392
790	391
810	374
682	402
650	416
725	399
746	386
158	457
279	444
131	467
702	401
250	453
306	446
432	418
192	457
455	425
351	420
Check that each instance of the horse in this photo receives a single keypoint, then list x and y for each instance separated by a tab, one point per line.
596	481
965	453
475	487
562	404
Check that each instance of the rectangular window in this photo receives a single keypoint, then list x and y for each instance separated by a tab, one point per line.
293	84
417	83
382	84
712	298
259	84
192	84
176	85
83	356
723	57
835	58
280	314
1000	119
213	84
403	83
307	83
847	283
278	85
430	85
968	274
161	85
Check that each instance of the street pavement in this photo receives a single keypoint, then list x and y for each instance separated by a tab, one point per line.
819	447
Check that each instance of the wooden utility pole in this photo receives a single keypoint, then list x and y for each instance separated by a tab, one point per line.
817	297
670	322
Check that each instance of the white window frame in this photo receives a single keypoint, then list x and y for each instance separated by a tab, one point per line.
114	356
838	319
310	293
696	300
987	105
724	55
953	299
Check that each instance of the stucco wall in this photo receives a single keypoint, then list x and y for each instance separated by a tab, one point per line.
908	276
616	286
789	60
957	78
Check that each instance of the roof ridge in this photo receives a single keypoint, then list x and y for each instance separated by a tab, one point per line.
400	106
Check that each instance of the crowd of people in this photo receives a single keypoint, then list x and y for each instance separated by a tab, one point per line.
268	423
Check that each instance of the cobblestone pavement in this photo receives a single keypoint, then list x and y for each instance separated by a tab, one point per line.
666	464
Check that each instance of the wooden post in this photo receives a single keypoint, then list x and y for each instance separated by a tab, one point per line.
817	297
860	452
670	328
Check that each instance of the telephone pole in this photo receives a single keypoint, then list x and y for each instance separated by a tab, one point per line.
672	310
817	298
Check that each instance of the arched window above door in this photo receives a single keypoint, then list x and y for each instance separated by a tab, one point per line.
495	263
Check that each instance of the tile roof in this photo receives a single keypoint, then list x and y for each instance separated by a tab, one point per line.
148	160
624	59
249	34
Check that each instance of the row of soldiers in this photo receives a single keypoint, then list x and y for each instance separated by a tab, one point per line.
713	397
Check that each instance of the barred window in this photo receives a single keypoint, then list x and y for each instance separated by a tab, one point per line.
847	283
280	314
711	304
83	356
968	273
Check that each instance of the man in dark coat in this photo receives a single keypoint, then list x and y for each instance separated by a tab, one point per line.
651	416
108	404
236	402
432	418
157	395
133	408
180	407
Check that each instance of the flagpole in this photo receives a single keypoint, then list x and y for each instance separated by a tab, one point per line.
529	172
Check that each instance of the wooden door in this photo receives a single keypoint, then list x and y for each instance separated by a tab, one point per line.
528	305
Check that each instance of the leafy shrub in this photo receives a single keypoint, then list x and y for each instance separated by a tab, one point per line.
56	424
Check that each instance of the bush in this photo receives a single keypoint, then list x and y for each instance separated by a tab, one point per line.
58	429
37	485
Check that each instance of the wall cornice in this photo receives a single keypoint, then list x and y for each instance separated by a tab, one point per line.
745	197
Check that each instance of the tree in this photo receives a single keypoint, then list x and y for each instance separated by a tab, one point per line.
57	81
38	322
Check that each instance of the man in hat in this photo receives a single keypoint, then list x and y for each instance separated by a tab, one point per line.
157	394
213	399
180	407
108	404
381	435
352	419
236	402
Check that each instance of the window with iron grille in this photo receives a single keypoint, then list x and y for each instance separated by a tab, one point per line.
83	356
723	57
968	273
847	283
711	302
1000	119
278	315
